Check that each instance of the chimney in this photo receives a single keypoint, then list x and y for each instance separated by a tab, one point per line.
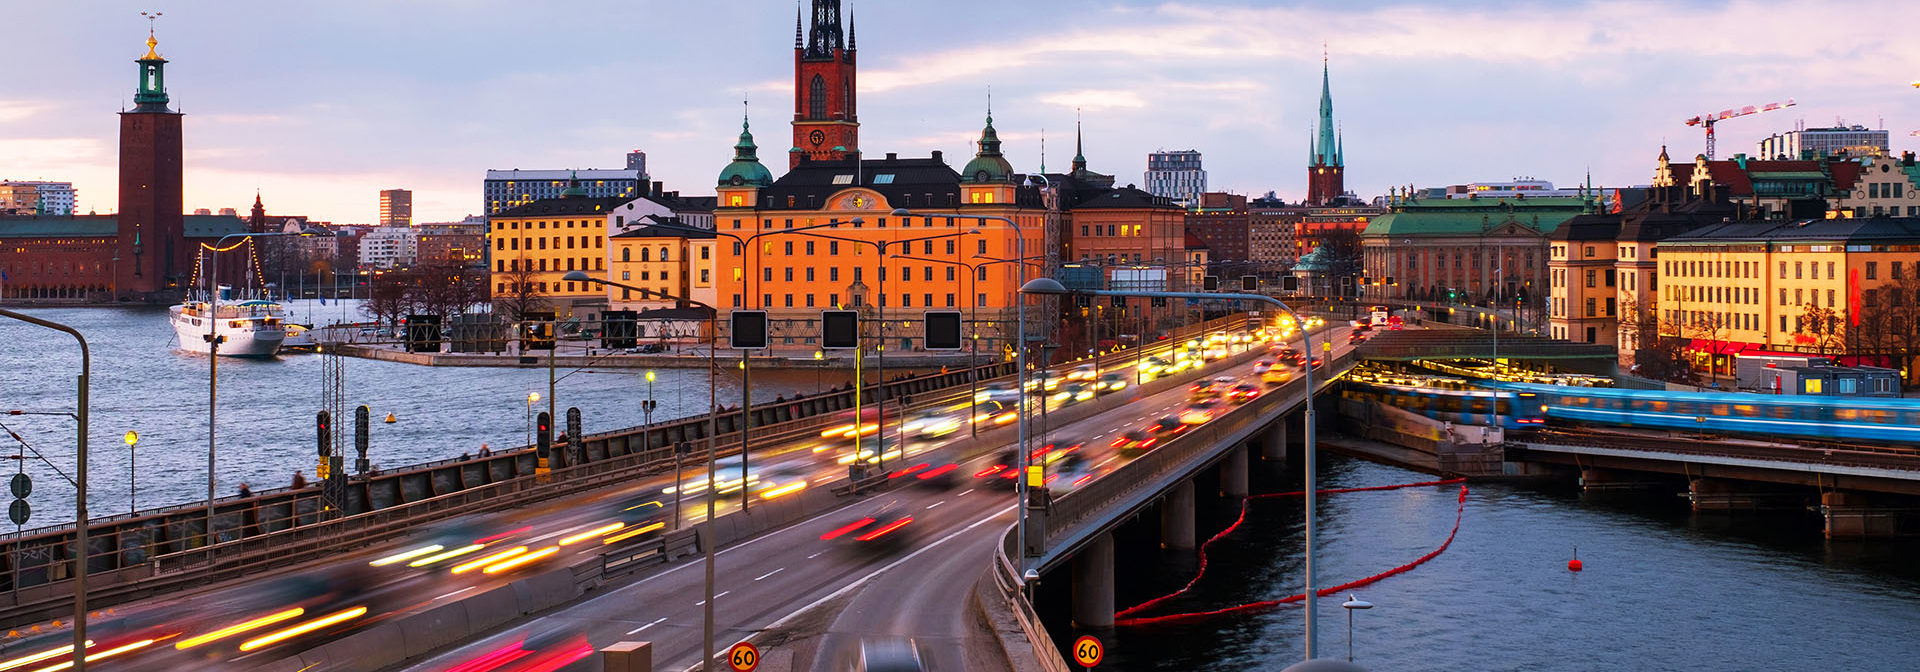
657	187
936	156
893	156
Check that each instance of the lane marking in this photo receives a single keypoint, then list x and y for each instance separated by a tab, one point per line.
777	571
649	625
457	592
963	493
930	506
810	557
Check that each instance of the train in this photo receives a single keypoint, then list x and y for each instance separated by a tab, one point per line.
1849	420
1512	410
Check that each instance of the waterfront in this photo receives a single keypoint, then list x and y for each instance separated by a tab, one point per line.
266	407
1664	589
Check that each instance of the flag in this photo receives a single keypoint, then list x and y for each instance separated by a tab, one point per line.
323	300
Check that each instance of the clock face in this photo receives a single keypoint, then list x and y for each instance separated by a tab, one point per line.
859	201
816	137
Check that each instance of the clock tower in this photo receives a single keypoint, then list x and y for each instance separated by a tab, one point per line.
826	126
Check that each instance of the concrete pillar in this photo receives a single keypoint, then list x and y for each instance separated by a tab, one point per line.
627	657
1093	584
1176	517
1273	443
1233	473
1593	479
1719	494
1851	515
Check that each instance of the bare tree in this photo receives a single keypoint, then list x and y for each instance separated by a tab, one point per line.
1657	353
521	295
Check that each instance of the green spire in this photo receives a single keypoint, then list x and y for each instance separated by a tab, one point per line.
1079	147
988	165
573	190
1327	149
746	167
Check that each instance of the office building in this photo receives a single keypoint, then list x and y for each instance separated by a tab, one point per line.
533	245
506	189
389	247
396	207
1853	141
31	197
1176	175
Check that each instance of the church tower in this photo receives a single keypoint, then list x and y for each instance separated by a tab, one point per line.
1326	168
153	254
826	126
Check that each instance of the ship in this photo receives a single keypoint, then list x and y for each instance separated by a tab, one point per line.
246	328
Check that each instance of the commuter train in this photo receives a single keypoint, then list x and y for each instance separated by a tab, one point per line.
1877	420
1513	410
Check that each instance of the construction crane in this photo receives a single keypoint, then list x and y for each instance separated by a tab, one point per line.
1709	119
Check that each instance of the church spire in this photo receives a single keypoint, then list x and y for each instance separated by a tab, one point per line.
1327	149
1079	145
746	167
798	11
825	39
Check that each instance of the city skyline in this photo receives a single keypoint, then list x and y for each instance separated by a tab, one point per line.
320	112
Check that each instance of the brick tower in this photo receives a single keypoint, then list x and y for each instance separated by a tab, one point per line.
1326	168
153	257
826	126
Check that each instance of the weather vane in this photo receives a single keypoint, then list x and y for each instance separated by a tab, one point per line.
150	19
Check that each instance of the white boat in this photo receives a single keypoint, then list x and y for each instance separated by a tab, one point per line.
247	328
299	337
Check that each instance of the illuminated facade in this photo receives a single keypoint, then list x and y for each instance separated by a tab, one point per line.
533	245
826	119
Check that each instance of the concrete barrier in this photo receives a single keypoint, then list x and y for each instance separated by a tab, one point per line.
488	609
374	648
549	589
434	628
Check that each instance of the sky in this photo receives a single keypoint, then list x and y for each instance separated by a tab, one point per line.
318	106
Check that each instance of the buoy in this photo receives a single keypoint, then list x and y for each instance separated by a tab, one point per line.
1575	565
391	419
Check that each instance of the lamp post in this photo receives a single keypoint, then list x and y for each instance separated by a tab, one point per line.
713	442
973	316
1050	286
531	398
646	408
133	486
1353	604
80	489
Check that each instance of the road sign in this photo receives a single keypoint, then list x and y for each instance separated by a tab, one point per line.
743	657
1087	651
22	485
19	511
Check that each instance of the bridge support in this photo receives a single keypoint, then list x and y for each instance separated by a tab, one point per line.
1093	584
1719	494
1176	517
1273	444
1233	473
1852	515
1594	479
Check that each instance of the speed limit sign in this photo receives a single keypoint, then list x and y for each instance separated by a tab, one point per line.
743	657
1087	651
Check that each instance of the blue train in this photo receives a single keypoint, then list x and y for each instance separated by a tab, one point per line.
1514	410
1866	419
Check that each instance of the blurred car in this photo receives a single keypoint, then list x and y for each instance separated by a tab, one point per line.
1243	393
1168	424
1276	376
933	424
1134	442
882	530
1261	366
1204	389
551	650
1072	393
1072	470
884	655
1110	382
1199	412
1082	372
997	392
780	479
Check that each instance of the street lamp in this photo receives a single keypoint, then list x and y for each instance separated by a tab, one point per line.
80	491
1353	604
647	406
973	316
133	486
531	397
1049	286
713	442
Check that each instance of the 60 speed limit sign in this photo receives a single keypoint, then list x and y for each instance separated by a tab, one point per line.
1087	651
743	657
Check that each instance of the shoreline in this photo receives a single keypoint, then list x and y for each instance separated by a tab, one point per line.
653	361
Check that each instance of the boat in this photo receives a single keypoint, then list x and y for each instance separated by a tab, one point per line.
247	328
299	337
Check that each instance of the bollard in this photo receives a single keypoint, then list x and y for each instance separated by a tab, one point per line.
627	657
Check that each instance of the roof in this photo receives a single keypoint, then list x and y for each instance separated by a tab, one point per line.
1464	216
644	230
1120	197
562	207
905	182
1889	229
1195	243
108	226
690	313
561	175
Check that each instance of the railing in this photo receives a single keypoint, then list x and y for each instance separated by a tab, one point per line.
1008	583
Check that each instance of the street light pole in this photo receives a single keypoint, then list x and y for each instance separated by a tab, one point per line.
1050	286
80	522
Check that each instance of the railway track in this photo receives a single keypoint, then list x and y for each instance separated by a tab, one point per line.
1716	446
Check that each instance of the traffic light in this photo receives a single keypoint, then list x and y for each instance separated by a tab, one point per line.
839	329
943	330
323	421
1210	283
543	437
1290	283
1249	283
749	330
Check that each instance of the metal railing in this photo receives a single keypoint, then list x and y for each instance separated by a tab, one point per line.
1007	582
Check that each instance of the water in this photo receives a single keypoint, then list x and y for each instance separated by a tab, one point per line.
266	407
1663	589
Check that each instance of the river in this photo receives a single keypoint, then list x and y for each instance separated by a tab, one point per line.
1663	588
267	406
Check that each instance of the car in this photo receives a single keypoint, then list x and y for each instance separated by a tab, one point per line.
1135	442
1072	470
1167	425
885	655
880	530
1205	389
1111	382
1276	376
1072	393
1243	393
1200	412
1263	365
1082	372
1225	381
652	348
997	392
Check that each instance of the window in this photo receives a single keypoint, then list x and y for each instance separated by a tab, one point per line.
817	98
1610	277
950	251
706	275
949	273
1590	279
833	273
626	275
1796	270
766	274
789	298
809	248
982	247
1829	272
1590	304
1873	270
809	274
706	253
789	274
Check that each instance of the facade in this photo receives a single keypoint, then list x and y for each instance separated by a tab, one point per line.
533	245
1796	189
30	197
1520	188
1271	227
438	246
1465	250
1854	141
396	207
826	118
1176	175
1313	227
1326	167
657	260
389	247
1887	186
155	259
505	189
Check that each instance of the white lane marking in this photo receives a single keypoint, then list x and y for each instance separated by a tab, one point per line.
649	625
783	620
457	592
777	571
963	493
930	506
810	557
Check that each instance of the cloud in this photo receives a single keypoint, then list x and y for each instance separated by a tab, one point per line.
1096	100
18	110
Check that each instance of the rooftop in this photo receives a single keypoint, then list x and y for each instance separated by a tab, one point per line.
562	207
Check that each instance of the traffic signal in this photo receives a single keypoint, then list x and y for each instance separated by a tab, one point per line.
323	421
1290	283
749	330
543	437
1249	283
1210	283
943	330
839	329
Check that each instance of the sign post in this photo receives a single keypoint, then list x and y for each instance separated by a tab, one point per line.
743	657
1087	651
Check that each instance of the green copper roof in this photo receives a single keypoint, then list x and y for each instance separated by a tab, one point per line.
1312	262
746	168
988	165
573	190
1462	216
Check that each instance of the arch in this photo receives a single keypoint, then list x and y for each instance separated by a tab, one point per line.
646	254
817	99
626	254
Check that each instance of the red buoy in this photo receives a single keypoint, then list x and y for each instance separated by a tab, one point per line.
1575	565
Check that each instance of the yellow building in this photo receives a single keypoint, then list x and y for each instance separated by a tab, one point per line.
535	244
656	259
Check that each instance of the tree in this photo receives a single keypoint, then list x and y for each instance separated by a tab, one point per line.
1820	329
1657	353
522	295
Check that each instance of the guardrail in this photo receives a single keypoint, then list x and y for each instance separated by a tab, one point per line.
1007	584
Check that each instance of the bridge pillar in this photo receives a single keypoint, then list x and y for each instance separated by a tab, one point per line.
1719	494
1594	479
1233	473
1852	515
1176	517
1273	443
1093	584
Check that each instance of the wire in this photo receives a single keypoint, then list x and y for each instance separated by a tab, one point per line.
36	453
